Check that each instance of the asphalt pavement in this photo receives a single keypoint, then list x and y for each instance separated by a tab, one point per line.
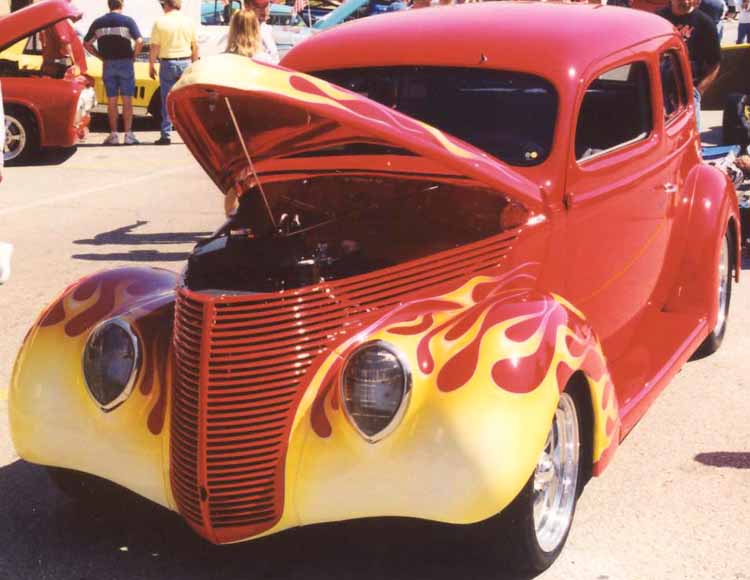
673	504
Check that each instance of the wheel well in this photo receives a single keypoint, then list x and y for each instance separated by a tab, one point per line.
22	110
578	387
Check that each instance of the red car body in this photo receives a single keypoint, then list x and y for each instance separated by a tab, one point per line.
48	107
629	232
471	246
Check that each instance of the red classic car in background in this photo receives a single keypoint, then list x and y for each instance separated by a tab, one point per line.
458	274
41	110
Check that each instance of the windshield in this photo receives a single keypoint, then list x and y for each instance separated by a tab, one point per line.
507	114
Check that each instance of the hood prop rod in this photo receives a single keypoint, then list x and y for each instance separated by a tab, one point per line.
250	162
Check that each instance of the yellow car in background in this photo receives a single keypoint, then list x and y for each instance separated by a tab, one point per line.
147	98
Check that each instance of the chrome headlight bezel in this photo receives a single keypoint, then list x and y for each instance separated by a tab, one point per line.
130	384
398	416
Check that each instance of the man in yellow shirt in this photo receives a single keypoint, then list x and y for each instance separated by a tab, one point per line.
174	43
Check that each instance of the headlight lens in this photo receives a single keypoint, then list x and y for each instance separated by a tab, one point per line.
110	361
376	384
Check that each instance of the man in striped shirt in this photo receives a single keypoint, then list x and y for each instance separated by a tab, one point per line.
118	43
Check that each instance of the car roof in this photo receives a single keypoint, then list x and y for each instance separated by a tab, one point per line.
544	38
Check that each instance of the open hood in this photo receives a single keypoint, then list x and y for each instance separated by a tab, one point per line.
34	18
292	123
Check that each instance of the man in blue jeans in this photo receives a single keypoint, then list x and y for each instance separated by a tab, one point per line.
174	43
115	35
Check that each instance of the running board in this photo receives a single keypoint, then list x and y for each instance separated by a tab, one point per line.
667	340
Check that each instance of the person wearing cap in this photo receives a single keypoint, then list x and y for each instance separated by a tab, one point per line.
174	43
262	9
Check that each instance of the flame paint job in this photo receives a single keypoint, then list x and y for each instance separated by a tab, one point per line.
48	421
596	282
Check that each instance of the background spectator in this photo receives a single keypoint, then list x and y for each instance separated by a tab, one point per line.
699	33
715	10
57	52
174	43
244	34
114	34
262	10
743	26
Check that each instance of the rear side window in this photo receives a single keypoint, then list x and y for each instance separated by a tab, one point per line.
616	110
508	114
672	84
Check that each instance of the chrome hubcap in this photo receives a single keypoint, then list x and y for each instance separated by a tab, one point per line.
15	138
724	281
556	477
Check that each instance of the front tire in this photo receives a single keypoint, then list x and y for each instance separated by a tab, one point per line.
533	529
724	289
82	487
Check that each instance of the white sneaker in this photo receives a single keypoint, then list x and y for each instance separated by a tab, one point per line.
6	250
131	139
113	139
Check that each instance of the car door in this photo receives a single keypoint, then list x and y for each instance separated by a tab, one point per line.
617	195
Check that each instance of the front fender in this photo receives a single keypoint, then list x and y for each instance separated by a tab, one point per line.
713	208
488	364
54	420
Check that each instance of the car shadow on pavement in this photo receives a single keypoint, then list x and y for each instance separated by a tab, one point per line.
124	236
50	156
734	459
46	535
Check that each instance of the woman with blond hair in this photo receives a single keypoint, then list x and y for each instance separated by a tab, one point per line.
244	34
244	39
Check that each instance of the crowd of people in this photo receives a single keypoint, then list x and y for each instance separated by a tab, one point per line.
116	39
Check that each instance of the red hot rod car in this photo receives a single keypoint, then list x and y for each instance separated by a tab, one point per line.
457	276
42	110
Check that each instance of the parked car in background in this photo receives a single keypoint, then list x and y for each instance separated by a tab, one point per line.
353	9
41	110
457	276
147	98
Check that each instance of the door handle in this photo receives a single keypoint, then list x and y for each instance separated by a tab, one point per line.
670	188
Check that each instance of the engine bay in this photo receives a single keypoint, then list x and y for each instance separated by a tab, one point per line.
331	227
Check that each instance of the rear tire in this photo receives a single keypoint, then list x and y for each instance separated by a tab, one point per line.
21	136
724	289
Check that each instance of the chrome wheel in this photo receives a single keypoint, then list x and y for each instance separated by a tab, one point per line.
15	138
556	477
724	281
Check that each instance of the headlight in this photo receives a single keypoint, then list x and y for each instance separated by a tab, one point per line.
110	361
375	388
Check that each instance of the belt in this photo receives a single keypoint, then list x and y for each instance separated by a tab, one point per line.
177	58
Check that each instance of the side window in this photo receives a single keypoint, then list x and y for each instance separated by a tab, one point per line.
672	84
616	109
